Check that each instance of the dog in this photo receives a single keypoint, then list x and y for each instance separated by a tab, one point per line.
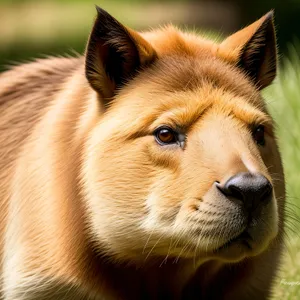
144	169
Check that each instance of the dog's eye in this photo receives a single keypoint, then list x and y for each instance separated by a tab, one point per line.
259	135
165	136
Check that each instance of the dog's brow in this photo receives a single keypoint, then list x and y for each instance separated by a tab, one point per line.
250	114
181	117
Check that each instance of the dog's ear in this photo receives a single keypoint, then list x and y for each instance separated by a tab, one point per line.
253	49
114	53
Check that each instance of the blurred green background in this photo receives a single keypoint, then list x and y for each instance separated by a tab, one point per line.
48	27
31	29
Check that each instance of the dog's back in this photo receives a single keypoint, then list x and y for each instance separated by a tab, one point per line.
26	91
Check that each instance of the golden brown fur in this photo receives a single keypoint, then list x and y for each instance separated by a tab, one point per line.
93	208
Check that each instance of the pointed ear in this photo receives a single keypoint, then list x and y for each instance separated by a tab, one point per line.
253	49
114	53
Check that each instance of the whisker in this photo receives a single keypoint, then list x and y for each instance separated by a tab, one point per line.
146	244
161	236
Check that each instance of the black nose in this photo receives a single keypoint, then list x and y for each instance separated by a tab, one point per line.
251	189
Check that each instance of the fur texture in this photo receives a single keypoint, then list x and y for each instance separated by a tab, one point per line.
93	207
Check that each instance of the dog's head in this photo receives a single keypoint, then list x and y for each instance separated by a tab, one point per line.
183	162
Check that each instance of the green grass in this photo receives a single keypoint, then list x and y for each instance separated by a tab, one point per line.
284	104
39	28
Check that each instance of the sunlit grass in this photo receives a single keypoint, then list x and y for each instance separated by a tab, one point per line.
38	28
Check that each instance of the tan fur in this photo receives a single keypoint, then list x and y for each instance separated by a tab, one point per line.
93	208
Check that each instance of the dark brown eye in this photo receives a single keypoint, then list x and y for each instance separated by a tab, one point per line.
259	135
165	136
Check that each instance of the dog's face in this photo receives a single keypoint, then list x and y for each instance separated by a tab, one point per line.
184	162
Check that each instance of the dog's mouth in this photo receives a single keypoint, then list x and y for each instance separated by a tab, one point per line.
243	239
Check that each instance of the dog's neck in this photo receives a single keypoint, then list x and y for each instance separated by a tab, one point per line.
156	279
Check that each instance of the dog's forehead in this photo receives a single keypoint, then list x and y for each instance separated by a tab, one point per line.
183	109
173	74
176	90
190	73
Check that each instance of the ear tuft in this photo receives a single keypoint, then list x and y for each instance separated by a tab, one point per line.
259	56
253	49
114	54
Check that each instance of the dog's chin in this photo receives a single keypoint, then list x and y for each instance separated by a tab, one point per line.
237	248
251	242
